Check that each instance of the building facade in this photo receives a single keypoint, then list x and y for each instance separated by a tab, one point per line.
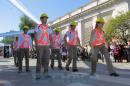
87	15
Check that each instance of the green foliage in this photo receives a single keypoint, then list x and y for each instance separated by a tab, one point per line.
26	21
109	30
118	27
7	40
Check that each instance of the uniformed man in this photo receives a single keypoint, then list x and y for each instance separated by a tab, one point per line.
43	39
24	44
98	41
72	44
57	39
15	51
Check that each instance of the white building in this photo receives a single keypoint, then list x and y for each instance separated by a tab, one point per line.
87	15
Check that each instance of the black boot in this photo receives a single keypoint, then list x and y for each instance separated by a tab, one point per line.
60	67
67	68
52	67
114	74
75	70
28	70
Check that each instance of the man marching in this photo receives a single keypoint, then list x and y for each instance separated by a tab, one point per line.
24	43
43	40
57	39
98	41
72	44
15	51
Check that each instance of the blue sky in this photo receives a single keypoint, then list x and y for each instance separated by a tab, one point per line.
10	16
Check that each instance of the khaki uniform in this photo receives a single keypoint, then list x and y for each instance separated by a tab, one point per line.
102	48
43	39
72	56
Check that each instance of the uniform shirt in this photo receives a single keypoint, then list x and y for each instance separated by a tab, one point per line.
57	42
71	36
22	38
38	31
93	36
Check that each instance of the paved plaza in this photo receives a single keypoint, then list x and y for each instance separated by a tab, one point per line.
10	77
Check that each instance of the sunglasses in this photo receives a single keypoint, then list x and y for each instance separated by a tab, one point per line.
44	17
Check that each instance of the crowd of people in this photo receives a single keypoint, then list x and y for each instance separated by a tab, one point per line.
120	52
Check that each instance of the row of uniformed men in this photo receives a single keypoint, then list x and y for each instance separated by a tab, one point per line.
45	39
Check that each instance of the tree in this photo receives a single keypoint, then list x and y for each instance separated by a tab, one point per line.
118	27
27	21
7	40
109	31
